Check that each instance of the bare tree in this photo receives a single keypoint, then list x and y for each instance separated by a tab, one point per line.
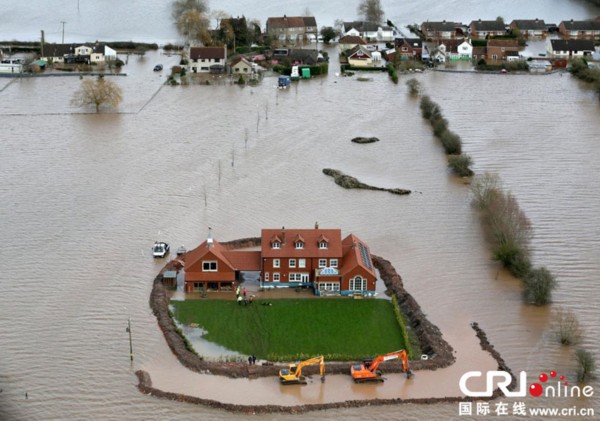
179	7
371	11
191	19
97	92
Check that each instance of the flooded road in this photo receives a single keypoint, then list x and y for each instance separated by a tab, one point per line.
84	197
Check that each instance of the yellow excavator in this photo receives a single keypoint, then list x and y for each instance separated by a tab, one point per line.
368	370
293	374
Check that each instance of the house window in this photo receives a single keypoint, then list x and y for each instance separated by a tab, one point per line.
404	49
276	277
276	263
358	283
322	263
237	69
299	245
323	245
276	245
333	263
198	286
329	286
292	263
301	263
266	276
494	57
217	60
295	277
209	266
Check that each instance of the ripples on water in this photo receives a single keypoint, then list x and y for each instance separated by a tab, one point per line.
84	197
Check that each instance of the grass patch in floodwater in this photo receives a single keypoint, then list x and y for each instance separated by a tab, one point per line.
295	329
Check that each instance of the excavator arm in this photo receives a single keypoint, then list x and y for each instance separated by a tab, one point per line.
368	371
293	375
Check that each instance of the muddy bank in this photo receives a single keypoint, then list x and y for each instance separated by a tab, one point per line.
145	386
365	140
439	352
349	182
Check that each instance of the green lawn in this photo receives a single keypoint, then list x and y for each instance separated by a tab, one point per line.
295	329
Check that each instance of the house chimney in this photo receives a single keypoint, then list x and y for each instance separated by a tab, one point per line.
282	235
316	225
209	240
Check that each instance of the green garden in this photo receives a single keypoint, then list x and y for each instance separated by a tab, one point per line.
296	329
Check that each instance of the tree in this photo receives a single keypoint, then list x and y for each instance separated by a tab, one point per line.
97	92
191	19
371	11
328	33
179	7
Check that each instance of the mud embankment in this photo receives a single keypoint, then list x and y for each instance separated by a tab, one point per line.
349	182
439	352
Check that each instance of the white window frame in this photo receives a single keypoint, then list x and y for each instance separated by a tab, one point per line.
276	277
322	263
354	283
292	263
323	245
210	266
299	245
266	276
301	263
276	263
276	245
333	263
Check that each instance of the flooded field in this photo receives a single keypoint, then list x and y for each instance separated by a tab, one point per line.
84	197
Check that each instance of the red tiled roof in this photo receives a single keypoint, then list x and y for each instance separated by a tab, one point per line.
352	39
207	53
311	243
244	260
287	22
353	256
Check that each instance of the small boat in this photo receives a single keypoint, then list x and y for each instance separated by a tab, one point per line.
160	249
181	250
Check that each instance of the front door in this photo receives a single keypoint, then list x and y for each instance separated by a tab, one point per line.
304	278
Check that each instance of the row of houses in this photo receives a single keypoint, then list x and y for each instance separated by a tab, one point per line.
581	29
304	28
441	51
310	258
214	59
77	53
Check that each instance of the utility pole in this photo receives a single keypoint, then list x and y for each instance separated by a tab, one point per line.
130	342
63	31
43	41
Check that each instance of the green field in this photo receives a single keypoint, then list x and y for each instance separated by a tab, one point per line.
295	329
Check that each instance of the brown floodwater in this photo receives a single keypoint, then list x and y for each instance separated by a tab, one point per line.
84	197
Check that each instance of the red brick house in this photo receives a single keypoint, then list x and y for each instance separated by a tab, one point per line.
211	266
497	49
409	48
580	29
316	258
311	258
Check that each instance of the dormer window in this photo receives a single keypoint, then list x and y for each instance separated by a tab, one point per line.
299	245
276	245
323	245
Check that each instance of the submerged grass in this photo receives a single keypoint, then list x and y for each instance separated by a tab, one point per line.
294	329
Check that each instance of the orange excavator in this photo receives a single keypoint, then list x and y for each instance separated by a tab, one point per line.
293	374
368	370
